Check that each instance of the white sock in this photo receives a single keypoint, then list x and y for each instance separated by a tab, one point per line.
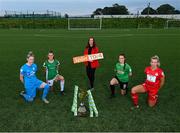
62	85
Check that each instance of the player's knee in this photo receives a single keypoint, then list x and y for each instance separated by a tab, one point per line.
133	90
152	104
29	99
123	92
111	82
62	78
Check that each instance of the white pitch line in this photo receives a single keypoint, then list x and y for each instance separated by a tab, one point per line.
103	36
60	36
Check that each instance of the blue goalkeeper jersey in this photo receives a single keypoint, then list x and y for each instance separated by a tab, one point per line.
29	74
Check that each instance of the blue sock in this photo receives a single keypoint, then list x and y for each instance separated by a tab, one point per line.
45	91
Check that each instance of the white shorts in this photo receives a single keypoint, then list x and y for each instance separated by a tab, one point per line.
51	82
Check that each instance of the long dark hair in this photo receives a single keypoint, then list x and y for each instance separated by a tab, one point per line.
94	42
122	54
51	52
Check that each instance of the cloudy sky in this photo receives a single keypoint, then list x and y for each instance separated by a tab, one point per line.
79	7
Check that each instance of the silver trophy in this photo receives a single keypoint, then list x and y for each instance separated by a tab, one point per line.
82	110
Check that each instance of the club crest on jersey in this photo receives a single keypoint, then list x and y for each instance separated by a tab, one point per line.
151	78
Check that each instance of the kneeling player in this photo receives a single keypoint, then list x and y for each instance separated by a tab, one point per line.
123	71
52	66
30	81
154	81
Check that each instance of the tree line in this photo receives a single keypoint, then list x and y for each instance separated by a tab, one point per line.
117	9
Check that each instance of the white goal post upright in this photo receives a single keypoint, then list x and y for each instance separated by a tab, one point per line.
85	24
175	20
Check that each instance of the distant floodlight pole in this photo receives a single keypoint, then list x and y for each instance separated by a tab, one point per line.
68	23
100	12
5	13
137	13
100	23
149	7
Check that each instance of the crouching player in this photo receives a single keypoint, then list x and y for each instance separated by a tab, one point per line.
154	81
30	81
52	65
123	71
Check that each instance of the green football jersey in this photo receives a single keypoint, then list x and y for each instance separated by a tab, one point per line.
51	69
123	72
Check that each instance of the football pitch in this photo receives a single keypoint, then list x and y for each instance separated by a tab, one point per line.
114	114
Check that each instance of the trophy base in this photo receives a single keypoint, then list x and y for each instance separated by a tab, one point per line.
82	111
82	114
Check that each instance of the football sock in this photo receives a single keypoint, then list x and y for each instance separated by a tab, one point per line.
134	97
62	85
112	89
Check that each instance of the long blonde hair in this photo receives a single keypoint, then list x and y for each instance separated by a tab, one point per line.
155	57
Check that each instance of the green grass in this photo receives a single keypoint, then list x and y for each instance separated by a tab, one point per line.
114	115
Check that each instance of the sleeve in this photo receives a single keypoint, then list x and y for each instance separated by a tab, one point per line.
115	68
22	71
44	64
145	70
130	69
97	49
161	74
58	63
85	52
36	67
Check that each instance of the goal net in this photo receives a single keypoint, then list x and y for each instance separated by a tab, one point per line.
145	26
84	23
173	24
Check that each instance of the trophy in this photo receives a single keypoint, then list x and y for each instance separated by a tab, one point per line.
82	111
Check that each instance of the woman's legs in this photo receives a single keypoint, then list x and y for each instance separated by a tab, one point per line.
45	88
61	79
91	75
134	93
124	88
113	82
152	97
28	94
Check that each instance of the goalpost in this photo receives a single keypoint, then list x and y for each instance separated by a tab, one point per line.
173	23
84	23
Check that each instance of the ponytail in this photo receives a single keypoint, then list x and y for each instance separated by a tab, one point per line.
30	54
